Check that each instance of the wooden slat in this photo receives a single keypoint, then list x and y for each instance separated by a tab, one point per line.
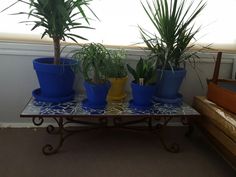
217	68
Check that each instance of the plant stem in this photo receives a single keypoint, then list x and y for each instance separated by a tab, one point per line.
56	42
96	77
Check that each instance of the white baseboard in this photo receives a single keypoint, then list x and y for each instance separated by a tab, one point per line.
23	125
31	125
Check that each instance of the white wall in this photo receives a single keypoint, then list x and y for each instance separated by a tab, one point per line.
18	79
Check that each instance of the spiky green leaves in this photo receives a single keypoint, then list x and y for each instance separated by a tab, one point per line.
173	21
58	18
145	72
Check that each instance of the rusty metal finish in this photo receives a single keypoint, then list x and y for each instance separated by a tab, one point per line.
48	149
173	147
37	121
115	115
157	129
190	123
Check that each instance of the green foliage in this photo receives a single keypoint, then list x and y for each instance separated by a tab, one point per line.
172	20
94	60
57	17
117	67
145	70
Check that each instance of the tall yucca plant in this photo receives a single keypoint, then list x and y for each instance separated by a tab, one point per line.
173	21
58	18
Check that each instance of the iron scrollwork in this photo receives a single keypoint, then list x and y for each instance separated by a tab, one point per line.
48	149
188	122
63	131
37	121
173	147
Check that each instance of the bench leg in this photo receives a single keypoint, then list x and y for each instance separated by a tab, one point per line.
48	149
190	123
64	132
173	147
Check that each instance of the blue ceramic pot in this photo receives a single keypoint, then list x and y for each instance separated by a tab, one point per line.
169	82
56	81
96	93
142	95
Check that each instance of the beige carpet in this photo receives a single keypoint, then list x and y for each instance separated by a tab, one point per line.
108	153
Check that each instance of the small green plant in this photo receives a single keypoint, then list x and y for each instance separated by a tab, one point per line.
58	18
174	23
144	73
94	60
117	67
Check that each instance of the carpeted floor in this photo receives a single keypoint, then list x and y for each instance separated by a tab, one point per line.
109	153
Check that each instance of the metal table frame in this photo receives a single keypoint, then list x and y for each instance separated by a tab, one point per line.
155	123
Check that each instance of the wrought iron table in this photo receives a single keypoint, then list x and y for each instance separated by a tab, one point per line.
115	115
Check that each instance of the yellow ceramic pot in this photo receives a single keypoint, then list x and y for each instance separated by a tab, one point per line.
117	89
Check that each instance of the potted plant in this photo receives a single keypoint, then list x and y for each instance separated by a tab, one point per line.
144	84
57	18
117	74
173	21
94	60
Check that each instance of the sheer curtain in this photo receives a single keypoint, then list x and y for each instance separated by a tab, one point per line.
119	20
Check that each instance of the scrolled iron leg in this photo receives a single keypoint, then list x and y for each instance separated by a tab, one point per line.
37	121
189	131
189	123
52	130
103	122
173	147
117	121
48	149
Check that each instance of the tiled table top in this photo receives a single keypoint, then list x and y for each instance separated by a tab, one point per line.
75	108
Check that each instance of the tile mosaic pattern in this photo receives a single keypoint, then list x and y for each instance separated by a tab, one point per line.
34	108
